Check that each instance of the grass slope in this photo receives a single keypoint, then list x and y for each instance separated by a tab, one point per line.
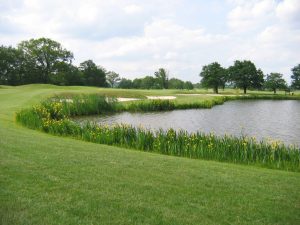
54	180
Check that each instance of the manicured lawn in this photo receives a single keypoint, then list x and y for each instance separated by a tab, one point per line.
56	180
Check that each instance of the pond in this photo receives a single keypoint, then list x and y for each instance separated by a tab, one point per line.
278	120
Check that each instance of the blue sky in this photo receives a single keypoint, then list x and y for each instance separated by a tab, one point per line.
135	38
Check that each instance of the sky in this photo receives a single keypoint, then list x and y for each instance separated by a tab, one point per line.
134	37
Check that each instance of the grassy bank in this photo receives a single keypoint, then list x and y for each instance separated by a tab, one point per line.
56	180
53	116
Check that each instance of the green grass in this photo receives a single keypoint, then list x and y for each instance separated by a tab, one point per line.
55	180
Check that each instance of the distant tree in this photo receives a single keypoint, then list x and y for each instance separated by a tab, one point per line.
244	74
136	83
125	83
149	82
214	76
93	75
162	77
188	85
112	78
275	81
175	83
198	85
11	66
296	77
42	56
74	76
258	81
67	74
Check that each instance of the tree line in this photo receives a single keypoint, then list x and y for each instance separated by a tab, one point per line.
160	80
45	61
245	75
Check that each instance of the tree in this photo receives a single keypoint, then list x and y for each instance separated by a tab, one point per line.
93	75
244	74
275	81
296	77
149	82
188	85
67	74
42	57
258	81
175	83
136	83
214	76
11	66
112	78
162	77
73	75
125	83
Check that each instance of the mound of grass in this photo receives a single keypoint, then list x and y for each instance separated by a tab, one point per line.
47	179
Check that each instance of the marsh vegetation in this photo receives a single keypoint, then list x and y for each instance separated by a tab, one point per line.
53	116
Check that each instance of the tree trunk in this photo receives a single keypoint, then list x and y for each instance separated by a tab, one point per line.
245	90
274	90
216	90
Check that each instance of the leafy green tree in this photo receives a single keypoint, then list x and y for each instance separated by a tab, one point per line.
244	74
136	83
175	83
93	75
198	85
188	85
112	78
42	57
67	74
275	81
74	76
258	81
149	82
125	83
296	77
11	66
214	76
162	77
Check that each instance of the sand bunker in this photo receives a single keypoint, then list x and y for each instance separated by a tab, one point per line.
127	99
161	97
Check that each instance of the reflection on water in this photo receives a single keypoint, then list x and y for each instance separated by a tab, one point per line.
260	118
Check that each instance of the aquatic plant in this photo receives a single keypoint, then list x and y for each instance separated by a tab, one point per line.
53	116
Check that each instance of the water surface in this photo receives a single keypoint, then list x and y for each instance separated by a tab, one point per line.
278	120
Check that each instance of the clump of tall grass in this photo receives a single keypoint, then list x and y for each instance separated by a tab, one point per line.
53	116
85	104
205	104
58	108
150	105
197	145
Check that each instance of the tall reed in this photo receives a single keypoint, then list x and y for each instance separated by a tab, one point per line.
53	116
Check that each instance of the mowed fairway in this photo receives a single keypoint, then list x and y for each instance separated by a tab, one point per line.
56	180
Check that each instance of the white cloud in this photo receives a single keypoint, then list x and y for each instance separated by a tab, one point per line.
135	38
249	15
288	11
163	44
269	31
132	9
